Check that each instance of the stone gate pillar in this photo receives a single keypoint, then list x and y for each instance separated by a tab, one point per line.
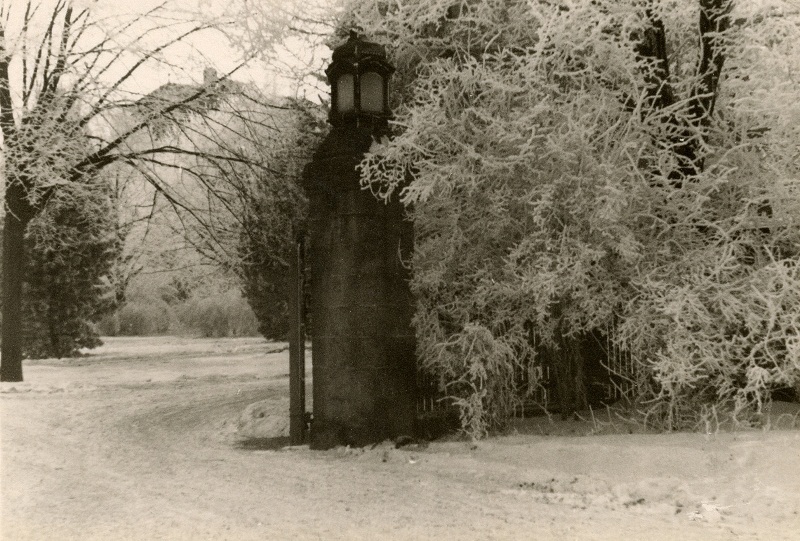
363	350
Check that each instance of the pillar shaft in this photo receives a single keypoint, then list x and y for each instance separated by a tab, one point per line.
362	339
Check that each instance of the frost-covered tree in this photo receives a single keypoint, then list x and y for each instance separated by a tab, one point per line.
241	203
618	169
73	247
290	35
64	76
254	215
274	216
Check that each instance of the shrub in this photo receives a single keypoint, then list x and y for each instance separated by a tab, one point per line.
219	315
144	318
109	325
724	336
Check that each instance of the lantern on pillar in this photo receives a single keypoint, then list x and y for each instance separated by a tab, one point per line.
359	78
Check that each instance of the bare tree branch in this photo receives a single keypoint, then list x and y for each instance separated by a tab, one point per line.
714	21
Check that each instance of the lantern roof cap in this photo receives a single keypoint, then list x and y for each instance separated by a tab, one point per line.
357	49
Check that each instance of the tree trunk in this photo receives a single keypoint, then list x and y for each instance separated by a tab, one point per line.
13	268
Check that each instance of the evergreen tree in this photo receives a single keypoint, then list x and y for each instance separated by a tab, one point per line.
73	246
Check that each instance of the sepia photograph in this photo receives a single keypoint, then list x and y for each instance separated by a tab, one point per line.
399	270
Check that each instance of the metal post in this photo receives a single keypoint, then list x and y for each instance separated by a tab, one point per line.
297	347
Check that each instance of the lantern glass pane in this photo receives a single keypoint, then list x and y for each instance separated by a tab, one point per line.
345	87
371	92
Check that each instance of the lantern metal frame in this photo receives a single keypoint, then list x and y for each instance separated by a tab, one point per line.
358	57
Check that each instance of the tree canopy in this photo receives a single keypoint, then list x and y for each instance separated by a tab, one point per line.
627	170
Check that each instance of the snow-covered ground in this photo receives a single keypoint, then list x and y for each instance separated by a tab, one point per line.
148	439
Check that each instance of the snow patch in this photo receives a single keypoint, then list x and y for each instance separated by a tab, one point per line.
46	388
263	420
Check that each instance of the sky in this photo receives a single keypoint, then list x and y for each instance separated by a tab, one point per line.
184	62
207	48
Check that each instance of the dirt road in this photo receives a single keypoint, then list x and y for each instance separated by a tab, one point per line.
144	440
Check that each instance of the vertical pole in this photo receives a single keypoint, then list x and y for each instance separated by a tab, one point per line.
297	347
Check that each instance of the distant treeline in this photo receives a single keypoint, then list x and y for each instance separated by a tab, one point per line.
218	315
